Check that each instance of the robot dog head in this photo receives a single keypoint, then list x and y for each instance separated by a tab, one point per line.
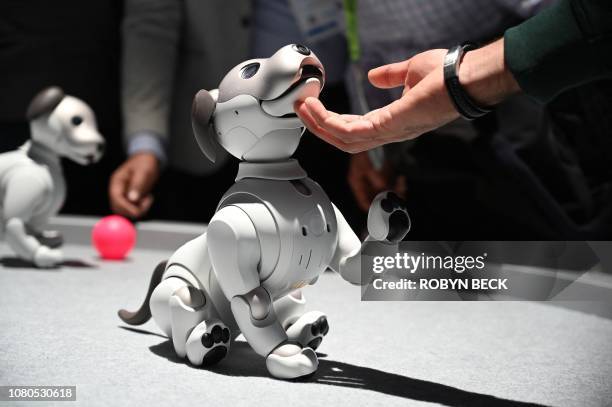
251	115
65	125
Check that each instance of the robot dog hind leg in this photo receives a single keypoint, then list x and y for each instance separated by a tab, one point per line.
180	310
188	316
305	328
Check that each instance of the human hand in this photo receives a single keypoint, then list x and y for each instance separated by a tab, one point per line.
131	184
366	181
424	105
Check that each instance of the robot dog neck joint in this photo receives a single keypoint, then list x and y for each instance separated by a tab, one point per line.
40	153
275	170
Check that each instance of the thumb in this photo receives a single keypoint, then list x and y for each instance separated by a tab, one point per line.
389	76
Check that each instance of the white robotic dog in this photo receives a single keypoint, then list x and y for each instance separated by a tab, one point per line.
32	186
275	230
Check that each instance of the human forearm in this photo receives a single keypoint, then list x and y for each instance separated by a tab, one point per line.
151	30
485	75
564	46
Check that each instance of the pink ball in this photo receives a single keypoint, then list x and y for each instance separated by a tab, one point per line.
113	237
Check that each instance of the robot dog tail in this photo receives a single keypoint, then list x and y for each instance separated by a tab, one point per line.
143	314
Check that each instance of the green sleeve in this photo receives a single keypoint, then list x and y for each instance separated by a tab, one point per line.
566	45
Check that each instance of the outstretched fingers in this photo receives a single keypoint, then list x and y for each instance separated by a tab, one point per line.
304	113
317	130
348	128
351	133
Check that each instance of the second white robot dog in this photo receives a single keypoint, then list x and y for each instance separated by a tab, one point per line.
32	183
274	231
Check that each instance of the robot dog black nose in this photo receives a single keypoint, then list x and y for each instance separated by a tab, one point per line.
302	49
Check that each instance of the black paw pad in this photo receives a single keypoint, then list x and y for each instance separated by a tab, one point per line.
399	224
207	340
214	356
320	326
50	239
226	335
392	202
217	333
323	325
387	205
315	343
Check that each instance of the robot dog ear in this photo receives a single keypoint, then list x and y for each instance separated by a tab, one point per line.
44	102
202	111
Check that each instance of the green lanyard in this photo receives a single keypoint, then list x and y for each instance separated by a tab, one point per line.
376	155
352	33
354	50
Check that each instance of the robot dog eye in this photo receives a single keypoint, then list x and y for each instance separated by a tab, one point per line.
249	70
302	49
76	120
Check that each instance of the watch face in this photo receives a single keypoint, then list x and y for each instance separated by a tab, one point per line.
451	60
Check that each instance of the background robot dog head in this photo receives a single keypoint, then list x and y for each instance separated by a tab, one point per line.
251	115
65	125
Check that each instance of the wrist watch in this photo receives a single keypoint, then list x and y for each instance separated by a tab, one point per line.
465	105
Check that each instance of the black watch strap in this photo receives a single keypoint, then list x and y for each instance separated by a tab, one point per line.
464	104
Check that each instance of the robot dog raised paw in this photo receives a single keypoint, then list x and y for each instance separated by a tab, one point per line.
274	231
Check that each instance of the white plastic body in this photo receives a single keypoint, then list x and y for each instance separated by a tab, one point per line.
32	186
275	230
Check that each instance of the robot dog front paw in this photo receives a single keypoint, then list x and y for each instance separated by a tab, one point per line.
208	343
388	219
46	257
289	361
309	329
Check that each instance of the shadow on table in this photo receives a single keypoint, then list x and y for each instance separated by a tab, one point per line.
18	263
242	361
